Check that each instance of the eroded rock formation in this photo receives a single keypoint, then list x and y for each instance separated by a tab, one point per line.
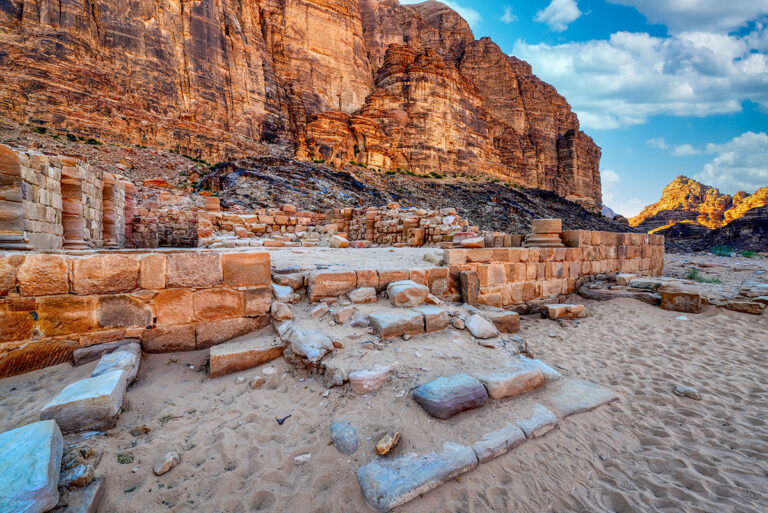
367	81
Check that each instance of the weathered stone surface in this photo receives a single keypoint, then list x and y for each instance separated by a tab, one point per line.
169	339
680	301
388	483
505	322
470	287
105	273
337	241
166	463
153	273
86	500
370	380
258	301
89	404
319	311
498	442
122	311
127	358
435	319
564	311
396	324
344	437
174	306
330	284
407	293
387	442
211	333
548	372
747	307
312	345
480	327
194	270
244	353
572	396
281	311
363	295
79	476
625	279
473	243
246	269
538	423
282	293
503	385
447	396
343	313
43	275
213	304
750	288
87	354
64	315
30	463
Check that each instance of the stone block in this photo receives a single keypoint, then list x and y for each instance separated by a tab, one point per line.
85	500
539	422
387	277
154	270
213	304
88	404
103	274
7	275
258	301
546	226
509	384
470	287
680	301
30	464
344	437
122	311
368	381
246	269
564	311
407	293
174	306
196	269
330	284
498	442
572	396
211	333
396	324
169	339
390	482
480	327
244	353
43	275
311	345
127	358
65	315
367	278
363	295
447	396
87	354
435	319
505	322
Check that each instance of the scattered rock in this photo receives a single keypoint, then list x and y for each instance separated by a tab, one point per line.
166	463
498	442
243	353
344	437
358	321
572	396
387	442
302	459
30	463
433	300
391	324
79	476
540	422
447	396
407	293
369	380
255	383
313	345
319	311
505	322
343	314
126	358
388	483
281	311
690	393
89	404
503	385
363	295
458	323
480	327
337	241
680	301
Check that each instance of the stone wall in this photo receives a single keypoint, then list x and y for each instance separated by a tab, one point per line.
51	304
41	195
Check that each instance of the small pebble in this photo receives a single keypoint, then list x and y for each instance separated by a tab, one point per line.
690	393
302	459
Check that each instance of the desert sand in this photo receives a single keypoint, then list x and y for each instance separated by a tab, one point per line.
650	451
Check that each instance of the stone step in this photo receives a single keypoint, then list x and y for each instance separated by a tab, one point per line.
30	463
88	404
244	353
447	396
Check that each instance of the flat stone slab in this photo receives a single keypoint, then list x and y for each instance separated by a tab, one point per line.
30	463
407	293
344	437
480	327
85	500
572	396
750	288
548	372
538	423
388	483
127	358
88	404
397	324
313	345
368	381
435	319
242	354
496	443
83	355
449	395
510	384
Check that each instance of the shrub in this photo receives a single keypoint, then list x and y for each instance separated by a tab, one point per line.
695	275
748	254
93	142
721	251
72	137
39	130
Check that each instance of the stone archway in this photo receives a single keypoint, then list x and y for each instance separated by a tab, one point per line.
72	205
12	234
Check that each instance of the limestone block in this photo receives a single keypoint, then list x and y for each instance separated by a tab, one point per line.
30	464
154	270
169	339
330	284
194	270
447	396
88	404
213	304
174	306
244	353
396	324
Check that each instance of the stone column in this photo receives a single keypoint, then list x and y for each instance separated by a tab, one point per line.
72	205
130	205
108	221
12	234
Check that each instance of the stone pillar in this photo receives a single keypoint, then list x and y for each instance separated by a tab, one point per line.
72	205
545	234
11	204
130	205
108	220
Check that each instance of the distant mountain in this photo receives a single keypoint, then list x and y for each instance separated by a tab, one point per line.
608	212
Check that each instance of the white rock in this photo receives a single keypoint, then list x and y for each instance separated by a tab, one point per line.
480	327
166	463
302	459
127	358
538	423
407	293
282	293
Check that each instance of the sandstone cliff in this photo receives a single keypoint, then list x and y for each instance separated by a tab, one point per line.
686	200
364	81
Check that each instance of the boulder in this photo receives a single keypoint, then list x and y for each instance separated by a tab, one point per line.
505	322
30	463
363	295
388	483
312	345
369	380
538	423
480	327
88	404
407	293
396	324
447	396
503	385
498	442
244	353
572	396
344	437
127	358
435	319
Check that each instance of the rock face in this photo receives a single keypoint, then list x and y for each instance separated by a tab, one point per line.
370	81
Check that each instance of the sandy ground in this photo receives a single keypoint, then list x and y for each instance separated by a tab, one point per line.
651	451
351	258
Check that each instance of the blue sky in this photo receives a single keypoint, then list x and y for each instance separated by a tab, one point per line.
665	87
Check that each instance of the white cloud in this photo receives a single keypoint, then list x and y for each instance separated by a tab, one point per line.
684	150
470	15
559	14
658	143
739	164
508	16
623	80
710	15
610	184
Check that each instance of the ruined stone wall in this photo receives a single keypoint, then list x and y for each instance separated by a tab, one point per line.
51	304
393	225
41	196
92	184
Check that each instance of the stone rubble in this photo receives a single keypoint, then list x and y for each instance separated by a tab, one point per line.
407	293
369	380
